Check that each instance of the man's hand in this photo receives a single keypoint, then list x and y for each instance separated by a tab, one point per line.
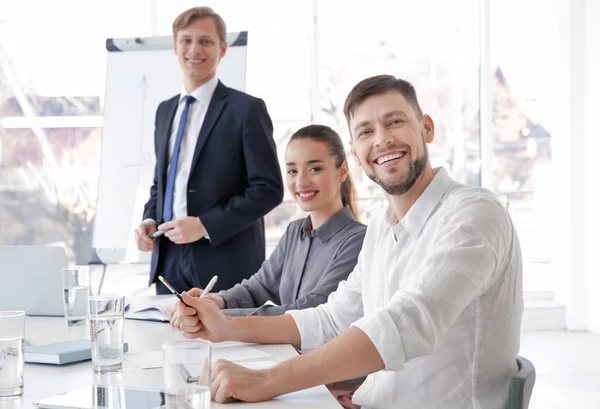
185	230
142	235
232	382
184	315
209	322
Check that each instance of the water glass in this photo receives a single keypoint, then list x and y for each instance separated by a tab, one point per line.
12	335
187	374
112	397
106	332
76	290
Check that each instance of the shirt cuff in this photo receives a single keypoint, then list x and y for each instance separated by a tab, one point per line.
309	327
229	299
206	236
383	333
148	220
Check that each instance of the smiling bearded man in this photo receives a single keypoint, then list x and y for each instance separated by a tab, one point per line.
431	312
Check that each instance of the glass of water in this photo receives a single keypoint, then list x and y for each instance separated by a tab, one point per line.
106	332
76	290
12	335
187	374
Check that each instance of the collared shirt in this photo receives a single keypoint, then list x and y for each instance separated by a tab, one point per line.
305	267
198	108
440	295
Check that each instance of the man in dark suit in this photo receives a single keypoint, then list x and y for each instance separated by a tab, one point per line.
216	172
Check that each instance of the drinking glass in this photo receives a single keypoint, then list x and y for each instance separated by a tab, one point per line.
187	374
106	332
76	290
12	336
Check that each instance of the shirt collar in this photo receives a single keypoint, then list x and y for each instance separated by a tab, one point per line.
328	229
420	211
203	93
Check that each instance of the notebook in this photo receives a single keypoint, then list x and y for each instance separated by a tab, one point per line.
61	353
151	308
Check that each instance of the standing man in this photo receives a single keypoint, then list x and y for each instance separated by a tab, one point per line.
216	174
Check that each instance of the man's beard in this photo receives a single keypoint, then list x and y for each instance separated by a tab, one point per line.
415	169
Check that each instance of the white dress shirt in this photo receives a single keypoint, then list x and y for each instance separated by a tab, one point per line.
196	114
440	296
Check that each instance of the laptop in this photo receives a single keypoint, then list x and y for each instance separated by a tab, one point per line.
30	279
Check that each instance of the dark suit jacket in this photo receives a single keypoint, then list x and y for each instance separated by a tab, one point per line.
234	181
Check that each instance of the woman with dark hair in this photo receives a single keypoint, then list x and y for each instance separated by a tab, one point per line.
316	252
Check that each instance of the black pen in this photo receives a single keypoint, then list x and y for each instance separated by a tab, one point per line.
162	280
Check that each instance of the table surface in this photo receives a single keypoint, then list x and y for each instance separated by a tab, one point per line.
42	381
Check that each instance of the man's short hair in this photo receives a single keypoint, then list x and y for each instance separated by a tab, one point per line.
380	84
187	17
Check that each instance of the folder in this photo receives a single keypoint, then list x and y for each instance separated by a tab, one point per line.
61	353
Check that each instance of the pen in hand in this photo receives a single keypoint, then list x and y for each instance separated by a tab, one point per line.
205	292
170	288
209	286
159	233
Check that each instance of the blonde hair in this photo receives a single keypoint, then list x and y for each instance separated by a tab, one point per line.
189	16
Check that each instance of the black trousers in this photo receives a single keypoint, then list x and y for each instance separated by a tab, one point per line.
176	265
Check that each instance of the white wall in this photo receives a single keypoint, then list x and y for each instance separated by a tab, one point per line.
577	153
592	162
568	189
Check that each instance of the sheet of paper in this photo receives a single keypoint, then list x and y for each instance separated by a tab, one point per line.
257	365
235	352
145	360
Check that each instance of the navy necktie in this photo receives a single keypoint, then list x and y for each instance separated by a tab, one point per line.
168	207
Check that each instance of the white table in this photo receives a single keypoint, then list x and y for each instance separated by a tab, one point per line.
42	381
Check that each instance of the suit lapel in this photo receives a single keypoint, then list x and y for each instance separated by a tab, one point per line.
215	107
166	135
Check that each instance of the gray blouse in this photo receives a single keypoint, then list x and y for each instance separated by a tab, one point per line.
305	267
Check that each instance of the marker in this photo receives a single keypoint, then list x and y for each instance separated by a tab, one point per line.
170	288
159	233
209	287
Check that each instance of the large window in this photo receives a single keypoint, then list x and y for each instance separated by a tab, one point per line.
522	48
438	55
303	58
52	70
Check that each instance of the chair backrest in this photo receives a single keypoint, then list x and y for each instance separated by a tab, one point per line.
521	385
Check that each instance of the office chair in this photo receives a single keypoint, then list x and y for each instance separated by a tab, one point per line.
521	385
